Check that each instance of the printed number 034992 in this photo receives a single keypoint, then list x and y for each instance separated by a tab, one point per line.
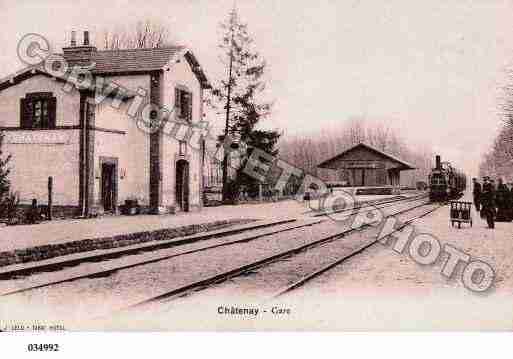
43	347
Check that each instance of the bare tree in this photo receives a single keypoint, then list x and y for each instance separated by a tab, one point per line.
379	136
143	34
306	152
498	161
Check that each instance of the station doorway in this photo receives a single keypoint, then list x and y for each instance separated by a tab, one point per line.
182	185
109	185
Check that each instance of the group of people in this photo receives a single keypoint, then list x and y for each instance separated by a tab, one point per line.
494	202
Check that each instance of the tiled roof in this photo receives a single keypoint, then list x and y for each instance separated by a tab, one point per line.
133	60
112	61
130	60
117	62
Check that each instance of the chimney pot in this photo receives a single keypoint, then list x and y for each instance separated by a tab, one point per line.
86	38
73	42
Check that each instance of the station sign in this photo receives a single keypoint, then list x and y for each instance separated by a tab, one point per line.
38	137
363	164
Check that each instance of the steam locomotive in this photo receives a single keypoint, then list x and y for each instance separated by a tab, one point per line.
446	182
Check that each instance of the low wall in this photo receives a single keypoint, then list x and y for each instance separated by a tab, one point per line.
55	250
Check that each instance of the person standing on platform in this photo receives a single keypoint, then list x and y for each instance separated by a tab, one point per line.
488	202
510	202
476	192
503	202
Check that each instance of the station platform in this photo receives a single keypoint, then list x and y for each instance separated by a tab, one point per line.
371	190
62	231
27	243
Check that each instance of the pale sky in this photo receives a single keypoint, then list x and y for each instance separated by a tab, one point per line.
430	68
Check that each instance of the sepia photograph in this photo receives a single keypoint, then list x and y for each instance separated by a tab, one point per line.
234	166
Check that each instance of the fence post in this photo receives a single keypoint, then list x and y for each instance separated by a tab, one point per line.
50	197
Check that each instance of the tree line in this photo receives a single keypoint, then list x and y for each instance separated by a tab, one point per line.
307	151
498	161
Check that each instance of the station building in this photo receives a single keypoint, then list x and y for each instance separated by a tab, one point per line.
365	166
98	157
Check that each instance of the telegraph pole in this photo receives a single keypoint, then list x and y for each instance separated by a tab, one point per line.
228	104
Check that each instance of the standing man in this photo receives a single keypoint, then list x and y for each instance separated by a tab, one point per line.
509	186
502	199
488	202
509	202
476	192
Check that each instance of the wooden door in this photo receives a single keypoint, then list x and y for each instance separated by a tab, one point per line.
358	177
108	186
182	185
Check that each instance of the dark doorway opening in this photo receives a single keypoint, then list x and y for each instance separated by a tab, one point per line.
358	177
182	185
108	190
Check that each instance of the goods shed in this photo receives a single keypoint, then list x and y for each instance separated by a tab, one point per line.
365	166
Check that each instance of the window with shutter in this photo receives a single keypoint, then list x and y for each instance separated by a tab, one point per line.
25	113
52	112
38	110
183	104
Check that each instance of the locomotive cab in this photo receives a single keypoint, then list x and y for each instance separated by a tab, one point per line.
445	181
438	186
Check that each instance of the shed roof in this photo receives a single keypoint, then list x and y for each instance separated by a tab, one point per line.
329	162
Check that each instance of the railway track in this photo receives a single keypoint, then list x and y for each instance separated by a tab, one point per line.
225	239
381	204
106	254
168	281
250	267
282	226
307	278
364	204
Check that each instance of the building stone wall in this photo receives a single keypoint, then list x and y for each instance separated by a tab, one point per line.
128	143
37	155
180	74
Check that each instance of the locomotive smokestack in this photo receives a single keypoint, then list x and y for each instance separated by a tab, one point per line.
438	162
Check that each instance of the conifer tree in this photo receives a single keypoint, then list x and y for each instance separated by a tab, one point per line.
240	94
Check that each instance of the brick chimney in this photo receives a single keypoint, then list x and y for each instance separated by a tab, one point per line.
79	55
